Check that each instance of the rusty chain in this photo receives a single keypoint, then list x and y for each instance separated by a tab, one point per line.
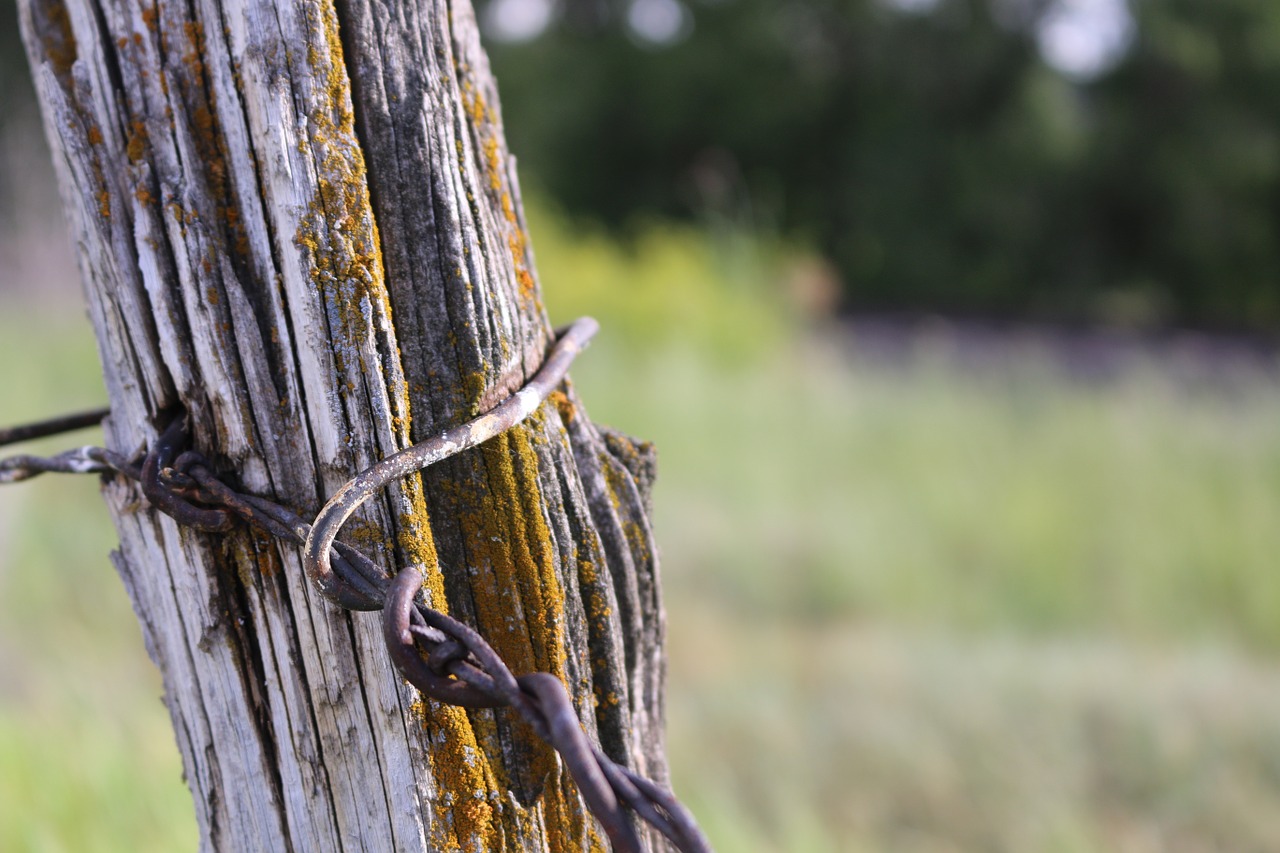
443	658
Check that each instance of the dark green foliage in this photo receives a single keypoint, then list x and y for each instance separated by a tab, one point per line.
933	156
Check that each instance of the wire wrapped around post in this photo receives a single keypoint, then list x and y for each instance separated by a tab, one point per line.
347	500
443	658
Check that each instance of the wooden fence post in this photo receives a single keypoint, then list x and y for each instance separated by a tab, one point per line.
298	220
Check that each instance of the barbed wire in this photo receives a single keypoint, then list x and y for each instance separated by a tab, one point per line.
443	658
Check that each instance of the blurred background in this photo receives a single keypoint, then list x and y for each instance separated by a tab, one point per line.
954	322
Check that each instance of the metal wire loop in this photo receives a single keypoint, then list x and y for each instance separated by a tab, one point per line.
513	410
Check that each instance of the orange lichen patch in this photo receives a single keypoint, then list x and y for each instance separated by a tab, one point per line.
639	541
473	102
472	390
587	573
617	481
518	243
613	483
367	536
563	405
509	210
239	236
181	215
136	148
463	779
265	555
525	279
188	83
53	27
634	454
419	713
194	32
595	593
103	197
418	544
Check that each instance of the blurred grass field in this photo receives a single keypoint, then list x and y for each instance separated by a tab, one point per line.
913	606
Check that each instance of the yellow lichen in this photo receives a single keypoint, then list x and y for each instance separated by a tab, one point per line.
517	594
493	163
563	405
484	122
510	537
462	781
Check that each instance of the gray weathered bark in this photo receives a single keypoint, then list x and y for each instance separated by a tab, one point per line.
299	221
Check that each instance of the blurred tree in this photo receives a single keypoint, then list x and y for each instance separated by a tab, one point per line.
14	81
17	105
927	148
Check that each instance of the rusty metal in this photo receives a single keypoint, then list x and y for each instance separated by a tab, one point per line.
443	658
156	470
513	410
53	426
82	460
461	668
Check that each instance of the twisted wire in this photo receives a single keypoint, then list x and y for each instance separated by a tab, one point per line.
443	658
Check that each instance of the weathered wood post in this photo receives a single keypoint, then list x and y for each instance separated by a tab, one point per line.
298	220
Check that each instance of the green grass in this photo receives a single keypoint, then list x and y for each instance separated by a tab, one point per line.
911	608
806	489
840	737
88	761
919	609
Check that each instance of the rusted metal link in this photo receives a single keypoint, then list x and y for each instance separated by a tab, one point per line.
513	410
404	652
461	668
443	658
658	806
363	583
157	466
549	709
53	426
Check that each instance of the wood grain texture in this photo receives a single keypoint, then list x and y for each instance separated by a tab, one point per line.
300	221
